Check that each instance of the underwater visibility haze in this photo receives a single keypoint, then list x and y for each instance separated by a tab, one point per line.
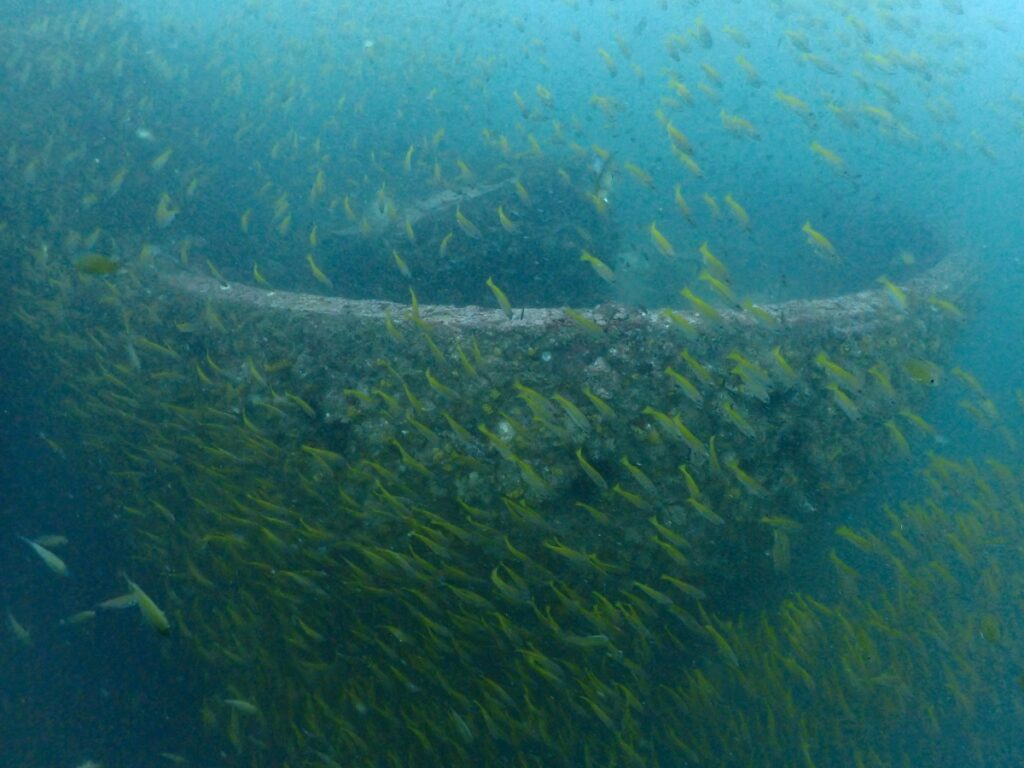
590	383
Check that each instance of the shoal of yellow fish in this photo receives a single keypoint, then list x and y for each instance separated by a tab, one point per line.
522	643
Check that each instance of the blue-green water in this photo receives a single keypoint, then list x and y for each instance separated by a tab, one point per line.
916	111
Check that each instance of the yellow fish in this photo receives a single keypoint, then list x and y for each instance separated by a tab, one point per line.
52	562
712	262
19	632
467	226
682	205
403	268
503	302
149	610
243	706
442	249
700	305
318	273
165	211
829	157
739	212
603	270
97	264
896	294
160	160
661	242
923	371
819	242
506	223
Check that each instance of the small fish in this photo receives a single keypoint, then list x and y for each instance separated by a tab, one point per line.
895	293
165	211
603	178
830	157
243	706
506	223
679	139
753	76
844	401
503	302
705	511
52	562
318	274
119	603
690	164
786	372
821	63
258	276
442	249
738	419
701	306
923	371
837	373
639	174
521	193
821	244
18	631
712	262
797	105
738	212
688	387
948	308
591	471
78	618
700	32
150	611
467	226
682	205
583	321
713	207
403	268
603	270
160	160
765	317
738	126
719	287
609	62
898	439
660	241
97	264
576	417
701	371
723	646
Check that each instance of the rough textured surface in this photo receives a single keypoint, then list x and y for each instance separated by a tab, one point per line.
362	364
852	313
398	511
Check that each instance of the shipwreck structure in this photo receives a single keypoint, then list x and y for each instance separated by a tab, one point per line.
472	534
